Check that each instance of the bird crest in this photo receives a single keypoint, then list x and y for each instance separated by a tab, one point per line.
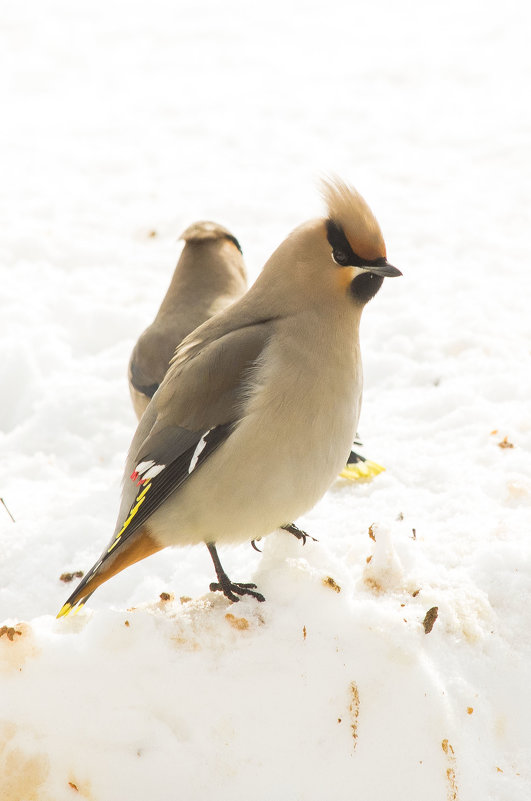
350	212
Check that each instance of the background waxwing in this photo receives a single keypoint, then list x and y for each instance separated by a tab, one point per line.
256	415
358	467
209	276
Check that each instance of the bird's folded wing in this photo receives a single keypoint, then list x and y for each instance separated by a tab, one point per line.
150	357
161	471
151	483
210	374
146	386
195	409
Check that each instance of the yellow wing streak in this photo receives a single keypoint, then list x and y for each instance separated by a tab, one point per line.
140	500
67	608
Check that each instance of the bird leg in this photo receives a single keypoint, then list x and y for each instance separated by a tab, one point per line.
298	532
229	589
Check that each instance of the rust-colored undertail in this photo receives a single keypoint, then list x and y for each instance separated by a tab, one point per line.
137	547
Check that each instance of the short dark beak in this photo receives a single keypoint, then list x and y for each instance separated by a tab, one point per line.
381	267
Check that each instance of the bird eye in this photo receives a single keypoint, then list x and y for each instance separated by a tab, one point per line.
340	257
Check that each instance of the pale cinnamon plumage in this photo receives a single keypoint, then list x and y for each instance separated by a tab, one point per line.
257	413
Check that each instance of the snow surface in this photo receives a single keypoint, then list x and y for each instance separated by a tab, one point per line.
122	124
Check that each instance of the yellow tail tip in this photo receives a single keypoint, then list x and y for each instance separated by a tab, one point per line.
361	471
64	610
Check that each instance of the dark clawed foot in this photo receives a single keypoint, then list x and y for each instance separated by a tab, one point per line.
298	532
229	589
255	546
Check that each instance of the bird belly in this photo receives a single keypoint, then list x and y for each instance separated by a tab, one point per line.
278	462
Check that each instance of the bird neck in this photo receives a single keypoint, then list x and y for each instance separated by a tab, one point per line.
214	271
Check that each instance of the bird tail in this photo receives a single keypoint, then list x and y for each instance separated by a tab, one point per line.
140	545
359	468
83	591
361	471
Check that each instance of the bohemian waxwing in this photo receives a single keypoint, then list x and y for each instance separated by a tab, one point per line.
210	275
256	415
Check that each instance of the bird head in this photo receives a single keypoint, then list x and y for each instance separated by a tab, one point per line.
206	231
211	249
355	241
338	259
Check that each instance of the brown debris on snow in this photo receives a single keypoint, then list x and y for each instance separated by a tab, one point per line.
332	583
430	618
10	632
354	710
67	577
450	771
505	443
240	623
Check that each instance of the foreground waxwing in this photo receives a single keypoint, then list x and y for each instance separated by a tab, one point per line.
209	276
256	415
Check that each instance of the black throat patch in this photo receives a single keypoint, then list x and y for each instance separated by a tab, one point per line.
365	286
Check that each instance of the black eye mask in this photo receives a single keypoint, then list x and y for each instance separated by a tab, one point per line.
344	256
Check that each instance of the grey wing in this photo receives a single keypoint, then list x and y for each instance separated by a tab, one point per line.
150	358
194	410
207	380
151	486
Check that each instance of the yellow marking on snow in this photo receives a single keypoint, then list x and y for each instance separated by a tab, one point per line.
361	471
140	500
